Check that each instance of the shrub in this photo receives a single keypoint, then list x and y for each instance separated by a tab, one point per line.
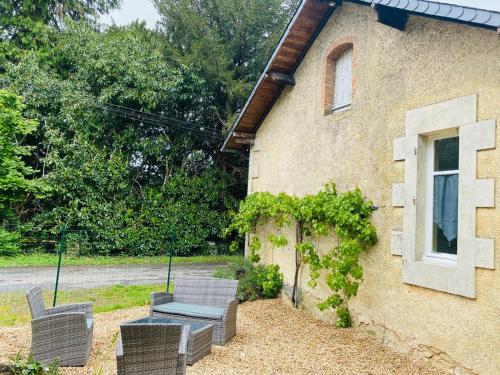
271	281
9	243
29	366
255	281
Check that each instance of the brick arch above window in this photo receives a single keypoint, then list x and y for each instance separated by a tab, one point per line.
340	46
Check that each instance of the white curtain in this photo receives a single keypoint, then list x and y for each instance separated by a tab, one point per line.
446	204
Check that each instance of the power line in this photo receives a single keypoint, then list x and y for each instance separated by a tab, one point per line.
210	134
160	117
157	120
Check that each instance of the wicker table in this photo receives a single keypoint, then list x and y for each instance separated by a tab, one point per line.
200	336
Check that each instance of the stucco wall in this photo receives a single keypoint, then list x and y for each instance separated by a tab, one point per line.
298	149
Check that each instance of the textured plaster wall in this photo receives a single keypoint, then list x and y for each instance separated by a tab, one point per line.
298	149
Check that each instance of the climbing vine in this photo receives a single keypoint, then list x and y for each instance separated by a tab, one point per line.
346	216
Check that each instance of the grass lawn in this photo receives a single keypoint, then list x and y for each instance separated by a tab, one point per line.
40	259
14	307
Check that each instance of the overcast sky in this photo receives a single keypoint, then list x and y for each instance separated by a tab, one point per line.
144	10
132	10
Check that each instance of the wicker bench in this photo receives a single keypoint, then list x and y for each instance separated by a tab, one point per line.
202	300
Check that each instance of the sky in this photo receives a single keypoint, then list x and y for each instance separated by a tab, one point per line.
144	10
482	4
132	10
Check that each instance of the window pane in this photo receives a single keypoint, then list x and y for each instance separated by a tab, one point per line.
445	214
446	154
441	243
343	80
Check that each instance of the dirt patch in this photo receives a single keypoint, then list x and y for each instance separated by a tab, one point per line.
273	338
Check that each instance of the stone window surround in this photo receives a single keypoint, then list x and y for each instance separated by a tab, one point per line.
338	46
458	278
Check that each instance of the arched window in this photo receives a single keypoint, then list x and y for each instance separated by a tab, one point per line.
342	94
339	81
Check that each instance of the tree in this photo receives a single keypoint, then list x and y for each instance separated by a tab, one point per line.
33	24
129	185
228	41
19	17
15	183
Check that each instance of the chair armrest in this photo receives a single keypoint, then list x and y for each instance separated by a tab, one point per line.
182	358
85	307
60	325
160	298
120	368
206	328
119	347
184	339
231	309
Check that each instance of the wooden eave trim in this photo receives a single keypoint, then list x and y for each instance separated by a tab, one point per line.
263	75
244	141
288	30
281	78
243	135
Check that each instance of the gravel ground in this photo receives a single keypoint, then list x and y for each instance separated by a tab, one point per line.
273	338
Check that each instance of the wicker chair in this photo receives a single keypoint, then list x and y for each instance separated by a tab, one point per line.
197	299
62	333
152	349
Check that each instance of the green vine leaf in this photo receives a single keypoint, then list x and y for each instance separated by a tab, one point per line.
278	241
346	216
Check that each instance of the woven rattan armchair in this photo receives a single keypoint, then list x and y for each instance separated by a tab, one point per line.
152	349
200	299
62	333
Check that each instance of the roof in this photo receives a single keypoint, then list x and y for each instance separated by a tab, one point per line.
305	25
479	4
451	12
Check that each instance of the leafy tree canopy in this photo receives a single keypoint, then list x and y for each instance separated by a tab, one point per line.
14	173
132	187
33	24
229	41
130	184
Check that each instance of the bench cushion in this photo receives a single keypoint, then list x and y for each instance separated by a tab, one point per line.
186	309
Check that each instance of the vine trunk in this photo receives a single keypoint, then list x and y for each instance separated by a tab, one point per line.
298	239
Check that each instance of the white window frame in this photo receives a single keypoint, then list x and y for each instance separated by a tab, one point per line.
459	114
430	254
342	106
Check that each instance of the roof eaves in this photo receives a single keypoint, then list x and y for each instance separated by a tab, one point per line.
263	75
450	12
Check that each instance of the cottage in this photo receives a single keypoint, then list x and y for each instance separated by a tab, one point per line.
400	98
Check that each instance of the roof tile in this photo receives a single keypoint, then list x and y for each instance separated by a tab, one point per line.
468	15
444	10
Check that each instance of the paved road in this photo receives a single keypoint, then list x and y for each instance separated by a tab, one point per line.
78	277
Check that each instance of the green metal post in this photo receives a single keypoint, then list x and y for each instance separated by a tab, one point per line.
61	250
173	238
169	268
